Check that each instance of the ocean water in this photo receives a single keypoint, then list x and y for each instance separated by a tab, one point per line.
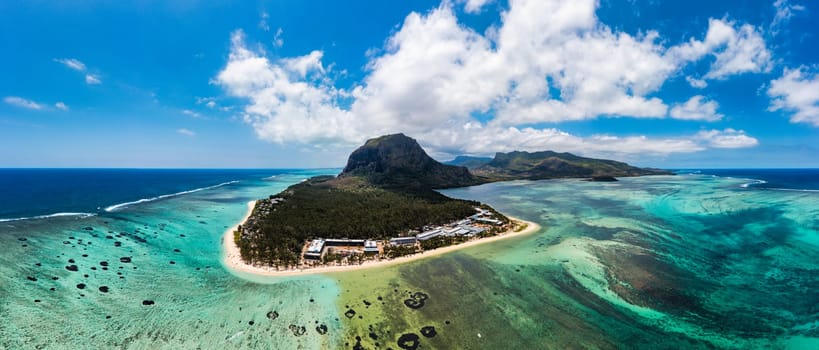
666	262
772	179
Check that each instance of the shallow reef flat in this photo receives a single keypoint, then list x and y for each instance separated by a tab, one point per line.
694	262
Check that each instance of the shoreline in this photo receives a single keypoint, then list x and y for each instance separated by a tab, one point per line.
232	259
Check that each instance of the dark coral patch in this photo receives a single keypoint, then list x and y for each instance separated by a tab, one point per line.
297	330
409	341
428	331
72	268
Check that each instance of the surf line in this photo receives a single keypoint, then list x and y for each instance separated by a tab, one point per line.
144	200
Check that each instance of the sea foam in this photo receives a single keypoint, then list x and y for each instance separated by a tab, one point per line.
144	200
84	215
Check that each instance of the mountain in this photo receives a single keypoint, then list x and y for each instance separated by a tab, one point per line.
468	161
398	161
385	190
551	165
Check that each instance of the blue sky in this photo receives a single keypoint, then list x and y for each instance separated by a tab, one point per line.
302	83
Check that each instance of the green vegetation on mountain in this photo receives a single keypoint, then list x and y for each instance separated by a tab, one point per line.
385	190
397	161
552	165
469	162
344	208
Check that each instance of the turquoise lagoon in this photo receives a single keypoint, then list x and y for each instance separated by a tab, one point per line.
671	262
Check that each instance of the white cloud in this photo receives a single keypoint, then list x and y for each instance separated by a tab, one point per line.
91	79
475	138
696	83
784	12
21	102
474	6
728	138
77	65
735	50
186	132
191	113
696	108
796	91
545	62
277	39
72	63
290	99
61	106
263	21
211	104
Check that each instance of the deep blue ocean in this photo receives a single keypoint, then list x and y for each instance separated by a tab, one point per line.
26	193
774	179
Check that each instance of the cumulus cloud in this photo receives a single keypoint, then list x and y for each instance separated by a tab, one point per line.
23	103
545	62
796	91
475	138
728	138
696	108
696	83
186	132
474	6
291	99
735	50
61	106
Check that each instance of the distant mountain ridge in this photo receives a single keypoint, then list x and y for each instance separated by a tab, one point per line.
519	165
469	162
399	161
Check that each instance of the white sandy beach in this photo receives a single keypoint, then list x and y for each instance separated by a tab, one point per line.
233	260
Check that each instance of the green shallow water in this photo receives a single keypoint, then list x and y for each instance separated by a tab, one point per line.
655	262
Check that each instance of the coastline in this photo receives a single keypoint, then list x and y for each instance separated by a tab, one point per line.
232	259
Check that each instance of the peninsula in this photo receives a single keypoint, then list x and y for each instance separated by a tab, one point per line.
382	208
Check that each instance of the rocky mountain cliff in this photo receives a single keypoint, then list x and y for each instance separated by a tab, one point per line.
399	161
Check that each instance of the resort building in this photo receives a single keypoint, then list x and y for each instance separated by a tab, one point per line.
403	241
344	242
473	230
370	246
315	249
489	221
429	234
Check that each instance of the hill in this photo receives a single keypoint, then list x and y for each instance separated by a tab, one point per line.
385	190
550	165
468	161
397	161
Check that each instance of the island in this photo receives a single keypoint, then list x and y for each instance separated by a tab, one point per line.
384	208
